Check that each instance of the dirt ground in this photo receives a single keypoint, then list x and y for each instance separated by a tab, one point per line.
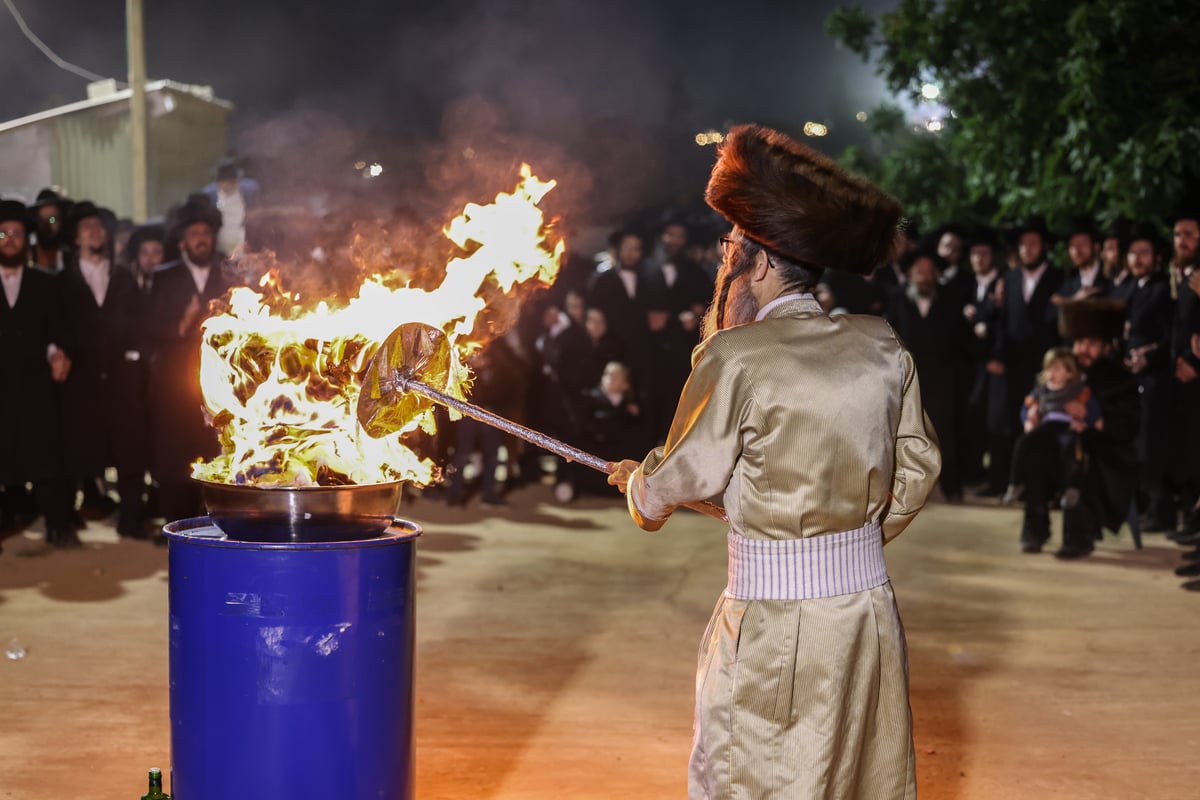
556	645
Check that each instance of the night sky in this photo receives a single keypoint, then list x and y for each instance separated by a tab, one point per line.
607	95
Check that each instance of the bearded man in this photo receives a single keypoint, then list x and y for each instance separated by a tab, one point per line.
178	304
812	428
32	361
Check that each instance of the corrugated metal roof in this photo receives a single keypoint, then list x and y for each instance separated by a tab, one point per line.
200	92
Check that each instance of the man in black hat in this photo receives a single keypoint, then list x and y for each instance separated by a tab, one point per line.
929	321
1086	278
812	427
104	408
622	292
1027	326
1185	470
145	251
981	420
1106	486
178	304
49	218
32	361
957	280
889	276
1148	356
1112	260
684	286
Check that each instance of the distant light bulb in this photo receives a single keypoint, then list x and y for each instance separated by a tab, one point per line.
861	116
702	139
930	91
360	165
375	170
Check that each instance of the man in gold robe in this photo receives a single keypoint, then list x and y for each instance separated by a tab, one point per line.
811	428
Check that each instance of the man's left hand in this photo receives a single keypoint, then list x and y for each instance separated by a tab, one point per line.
620	472
1184	372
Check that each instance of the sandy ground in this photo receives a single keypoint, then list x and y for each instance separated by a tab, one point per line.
555	653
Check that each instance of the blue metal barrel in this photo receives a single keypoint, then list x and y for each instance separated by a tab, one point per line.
291	666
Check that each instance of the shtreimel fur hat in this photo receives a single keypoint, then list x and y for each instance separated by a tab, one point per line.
800	204
1095	318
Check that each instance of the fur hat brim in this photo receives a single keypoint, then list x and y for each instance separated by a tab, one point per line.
1096	318
800	204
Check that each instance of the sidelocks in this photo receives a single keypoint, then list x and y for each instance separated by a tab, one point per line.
402	380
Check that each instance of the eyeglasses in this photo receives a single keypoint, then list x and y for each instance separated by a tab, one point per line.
729	241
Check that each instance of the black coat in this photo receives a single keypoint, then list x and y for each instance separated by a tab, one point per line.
936	348
1112	457
1073	283
626	315
104	404
1024	332
691	290
30	437
179	432
1150	319
1185	324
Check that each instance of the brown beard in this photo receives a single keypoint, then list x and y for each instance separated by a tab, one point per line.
733	303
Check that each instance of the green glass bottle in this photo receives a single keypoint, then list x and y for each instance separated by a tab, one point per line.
155	791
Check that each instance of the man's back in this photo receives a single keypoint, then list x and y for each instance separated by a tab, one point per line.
825	397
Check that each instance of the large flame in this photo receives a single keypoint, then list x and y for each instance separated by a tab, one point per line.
282	384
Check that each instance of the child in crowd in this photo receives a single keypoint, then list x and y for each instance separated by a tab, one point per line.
1047	419
612	427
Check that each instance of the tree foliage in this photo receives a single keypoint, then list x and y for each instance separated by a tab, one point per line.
1060	106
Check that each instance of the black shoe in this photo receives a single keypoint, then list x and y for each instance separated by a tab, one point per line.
1192	555
1190	540
1071	553
1191	586
97	508
133	531
64	539
77	521
1155	525
1031	547
1191	570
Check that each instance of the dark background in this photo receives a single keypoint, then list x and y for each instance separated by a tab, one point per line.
606	96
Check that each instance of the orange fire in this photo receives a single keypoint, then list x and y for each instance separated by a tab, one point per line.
282	385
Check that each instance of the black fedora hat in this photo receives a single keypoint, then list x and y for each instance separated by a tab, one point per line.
15	211
1145	231
983	235
1081	223
1034	223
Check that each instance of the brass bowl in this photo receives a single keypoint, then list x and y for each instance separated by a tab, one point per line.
301	513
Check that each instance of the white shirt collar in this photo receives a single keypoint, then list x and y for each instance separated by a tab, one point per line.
11	278
1031	279
199	274
778	301
1087	277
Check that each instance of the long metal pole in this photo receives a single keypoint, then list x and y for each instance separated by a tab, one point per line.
408	384
137	108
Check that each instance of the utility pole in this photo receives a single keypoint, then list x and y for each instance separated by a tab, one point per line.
136	51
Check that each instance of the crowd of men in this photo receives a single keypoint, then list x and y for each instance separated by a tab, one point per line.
979	309
99	360
99	349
